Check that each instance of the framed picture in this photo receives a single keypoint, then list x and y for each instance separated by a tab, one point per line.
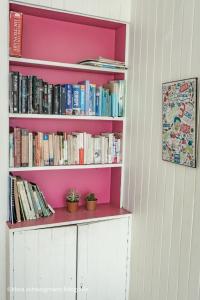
179	110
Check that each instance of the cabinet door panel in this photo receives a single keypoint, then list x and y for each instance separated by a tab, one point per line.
103	260
45	264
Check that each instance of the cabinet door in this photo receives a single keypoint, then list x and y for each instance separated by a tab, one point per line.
103	260
45	264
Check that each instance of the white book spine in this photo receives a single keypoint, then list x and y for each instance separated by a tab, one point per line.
32	212
11	150
30	149
65	152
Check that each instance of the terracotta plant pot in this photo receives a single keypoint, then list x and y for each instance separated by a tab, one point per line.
72	206
91	205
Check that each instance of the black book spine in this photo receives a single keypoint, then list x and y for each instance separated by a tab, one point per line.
20	93
45	99
40	94
34	95
15	88
30	94
56	100
63	100
50	98
10	93
24	94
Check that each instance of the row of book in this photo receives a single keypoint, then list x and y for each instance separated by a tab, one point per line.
30	94
28	149
26	201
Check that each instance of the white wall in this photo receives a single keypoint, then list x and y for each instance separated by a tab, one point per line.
114	9
165	198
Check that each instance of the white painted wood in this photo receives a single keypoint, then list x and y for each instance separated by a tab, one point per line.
164	197
68	167
69	223
53	64
103	260
65	117
42	268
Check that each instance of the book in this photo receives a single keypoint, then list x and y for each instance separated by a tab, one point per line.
28	149
16	26
68	99
76	106
26	201
30	94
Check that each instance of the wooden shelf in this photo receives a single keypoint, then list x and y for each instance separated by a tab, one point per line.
66	167
62	217
60	65
64	117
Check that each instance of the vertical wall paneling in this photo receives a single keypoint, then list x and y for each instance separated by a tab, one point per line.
166	223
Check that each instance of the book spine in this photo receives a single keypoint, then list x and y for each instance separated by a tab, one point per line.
30	149
17	147
34	95
16	25
45	99
15	81
76	107
50	99
69	99
11	149
56	98
46	149
10	93
30	94
86	83
63	100
98	104
24	148
40	94
92	99
24	95
82	110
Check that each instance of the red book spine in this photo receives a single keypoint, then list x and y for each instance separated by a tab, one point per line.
16	25
81	156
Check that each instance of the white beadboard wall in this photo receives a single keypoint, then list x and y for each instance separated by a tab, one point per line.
118	10
165	198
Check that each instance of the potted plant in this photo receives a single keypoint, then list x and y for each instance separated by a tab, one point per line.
73	198
91	201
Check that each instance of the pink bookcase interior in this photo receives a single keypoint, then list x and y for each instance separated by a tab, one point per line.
55	184
64	37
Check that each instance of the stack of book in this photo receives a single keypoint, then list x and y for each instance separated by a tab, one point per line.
30	94
26	201
103	62
28	149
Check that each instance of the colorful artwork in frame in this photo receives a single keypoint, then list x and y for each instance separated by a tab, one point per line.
179	107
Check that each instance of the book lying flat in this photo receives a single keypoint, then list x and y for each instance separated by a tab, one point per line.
104	63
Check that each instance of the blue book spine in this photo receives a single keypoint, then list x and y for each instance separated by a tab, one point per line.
82	87
86	83
92	99
76	99
98	106
103	104
68	100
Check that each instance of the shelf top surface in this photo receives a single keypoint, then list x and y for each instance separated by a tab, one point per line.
65	117
21	61
62	217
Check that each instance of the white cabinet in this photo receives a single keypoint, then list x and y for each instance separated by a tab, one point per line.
44	264
53	263
103	260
